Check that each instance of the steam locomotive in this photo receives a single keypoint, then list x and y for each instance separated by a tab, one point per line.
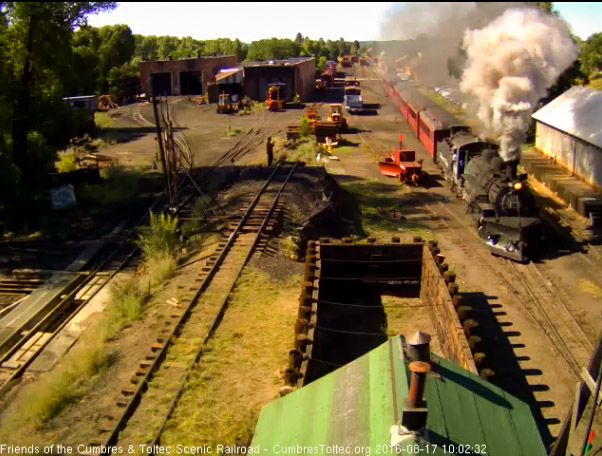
500	201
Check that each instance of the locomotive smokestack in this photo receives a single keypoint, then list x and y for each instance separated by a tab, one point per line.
511	172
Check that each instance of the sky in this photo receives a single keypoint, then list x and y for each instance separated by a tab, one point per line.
256	20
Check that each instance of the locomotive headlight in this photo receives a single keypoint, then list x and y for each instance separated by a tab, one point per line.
517	186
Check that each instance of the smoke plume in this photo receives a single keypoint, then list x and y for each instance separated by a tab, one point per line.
438	29
511	63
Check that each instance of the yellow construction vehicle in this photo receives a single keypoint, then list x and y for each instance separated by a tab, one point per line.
273	98
335	114
105	103
225	104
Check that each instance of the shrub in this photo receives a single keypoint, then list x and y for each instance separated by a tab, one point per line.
161	268
231	131
305	127
160	237
127	300
66	163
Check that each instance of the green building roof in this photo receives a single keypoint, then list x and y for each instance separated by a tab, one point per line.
354	409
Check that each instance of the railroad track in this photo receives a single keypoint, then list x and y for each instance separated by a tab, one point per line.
34	334
31	337
527	284
179	345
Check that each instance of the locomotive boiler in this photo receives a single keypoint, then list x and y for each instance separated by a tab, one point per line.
502	206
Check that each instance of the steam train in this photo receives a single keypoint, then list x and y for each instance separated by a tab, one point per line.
500	201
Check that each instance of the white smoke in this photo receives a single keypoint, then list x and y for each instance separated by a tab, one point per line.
438	29
511	64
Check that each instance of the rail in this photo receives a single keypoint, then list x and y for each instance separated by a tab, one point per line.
134	396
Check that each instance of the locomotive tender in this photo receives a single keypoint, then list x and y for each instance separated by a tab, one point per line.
501	203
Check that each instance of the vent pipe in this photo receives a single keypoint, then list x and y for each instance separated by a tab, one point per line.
413	415
418	347
419	370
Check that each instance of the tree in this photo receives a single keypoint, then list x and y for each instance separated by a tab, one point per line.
333	49
117	46
544	6
354	47
273	48
124	81
37	63
591	55
299	39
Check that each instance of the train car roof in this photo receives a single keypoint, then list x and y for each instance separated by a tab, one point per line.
446	119
414	96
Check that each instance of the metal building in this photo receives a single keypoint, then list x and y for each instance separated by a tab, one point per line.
298	75
569	131
369	407
183	76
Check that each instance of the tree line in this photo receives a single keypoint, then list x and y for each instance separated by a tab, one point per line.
48	52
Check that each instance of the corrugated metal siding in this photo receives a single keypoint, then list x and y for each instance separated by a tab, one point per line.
578	111
579	157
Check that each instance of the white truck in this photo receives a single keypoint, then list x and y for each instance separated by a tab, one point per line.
353	103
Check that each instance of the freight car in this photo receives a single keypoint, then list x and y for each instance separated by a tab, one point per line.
499	200
327	77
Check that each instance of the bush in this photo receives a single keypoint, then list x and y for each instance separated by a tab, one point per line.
127	300
161	268
66	163
231	131
305	127
160	237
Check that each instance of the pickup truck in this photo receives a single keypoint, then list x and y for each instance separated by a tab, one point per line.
354	103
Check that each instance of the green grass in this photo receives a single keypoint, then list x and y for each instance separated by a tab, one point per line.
381	211
128	298
44	399
161	268
305	149
595	84
230	132
344	149
304	127
102	120
119	185
159	238
222	399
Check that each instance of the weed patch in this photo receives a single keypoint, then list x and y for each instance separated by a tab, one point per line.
229	132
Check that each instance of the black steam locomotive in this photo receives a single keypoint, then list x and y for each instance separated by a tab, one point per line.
500	201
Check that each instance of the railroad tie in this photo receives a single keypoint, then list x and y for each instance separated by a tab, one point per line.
156	346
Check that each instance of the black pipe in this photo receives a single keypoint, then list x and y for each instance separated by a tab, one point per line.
511	172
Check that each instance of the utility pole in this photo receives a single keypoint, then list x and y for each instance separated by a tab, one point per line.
160	139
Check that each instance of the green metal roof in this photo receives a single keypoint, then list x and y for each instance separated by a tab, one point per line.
351	411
